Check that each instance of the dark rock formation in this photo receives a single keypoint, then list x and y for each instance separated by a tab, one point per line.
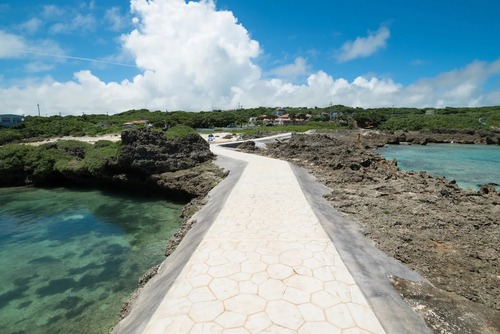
148	152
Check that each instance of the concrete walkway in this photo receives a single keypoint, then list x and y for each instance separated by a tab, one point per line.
265	266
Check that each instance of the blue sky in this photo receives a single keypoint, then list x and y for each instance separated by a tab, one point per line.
100	56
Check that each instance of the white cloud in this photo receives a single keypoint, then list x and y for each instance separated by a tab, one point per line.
194	57
363	47
31	26
77	23
52	12
38	66
11	46
292	71
198	55
116	20
15	46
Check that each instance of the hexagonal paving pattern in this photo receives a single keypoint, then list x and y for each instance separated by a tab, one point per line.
265	266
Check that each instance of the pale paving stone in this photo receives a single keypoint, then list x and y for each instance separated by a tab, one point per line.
253	267
364	318
175	307
197	269
302	271
296	296
224	288
202	294
206	311
304	283
234	256
206	328
311	313
276	329
340	316
181	289
319	328
240	277
284	314
224	270
355	330
248	287
272	289
258	322
324	300
340	290
279	271
177	324
200	280
356	295
342	275
216	261
324	274
231	319
271	259
260	277
245	304
236	331
252	256
312	263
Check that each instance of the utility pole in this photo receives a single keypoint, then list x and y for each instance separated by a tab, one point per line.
38	105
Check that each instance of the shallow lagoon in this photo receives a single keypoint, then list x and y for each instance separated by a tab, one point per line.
469	165
71	258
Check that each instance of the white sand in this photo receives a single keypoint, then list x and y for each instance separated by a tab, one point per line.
219	137
87	139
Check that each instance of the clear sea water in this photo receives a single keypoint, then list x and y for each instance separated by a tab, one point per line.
470	165
69	259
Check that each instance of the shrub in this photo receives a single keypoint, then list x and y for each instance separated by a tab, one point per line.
179	132
12	156
101	155
9	135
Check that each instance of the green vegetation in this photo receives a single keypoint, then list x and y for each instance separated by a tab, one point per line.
12	157
9	135
179	132
443	120
332	117
101	154
65	157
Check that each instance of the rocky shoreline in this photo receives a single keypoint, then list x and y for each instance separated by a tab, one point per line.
449	235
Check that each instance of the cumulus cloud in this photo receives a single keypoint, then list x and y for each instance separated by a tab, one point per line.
363	47
194	57
292	71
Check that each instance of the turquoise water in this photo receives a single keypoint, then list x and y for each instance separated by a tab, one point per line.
69	259
470	165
